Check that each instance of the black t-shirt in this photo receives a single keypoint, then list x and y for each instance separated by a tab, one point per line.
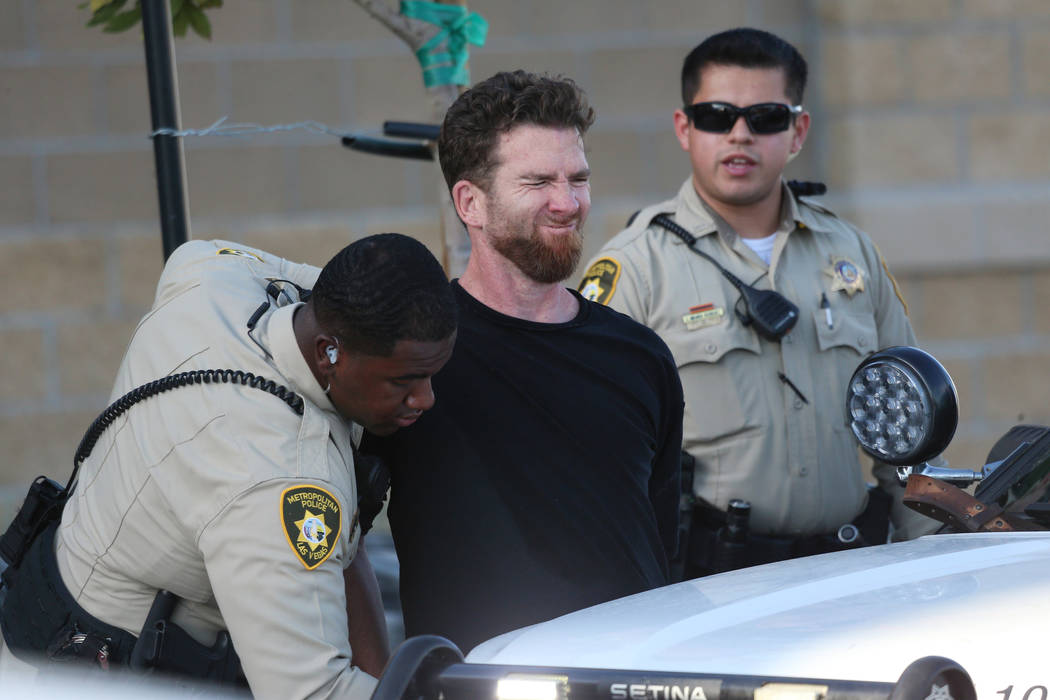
544	480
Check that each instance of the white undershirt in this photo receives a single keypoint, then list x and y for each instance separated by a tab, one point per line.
763	247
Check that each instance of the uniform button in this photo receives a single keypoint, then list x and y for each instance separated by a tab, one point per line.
710	348
798	403
803	471
862	341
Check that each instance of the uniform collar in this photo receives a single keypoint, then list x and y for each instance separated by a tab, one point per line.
280	336
700	220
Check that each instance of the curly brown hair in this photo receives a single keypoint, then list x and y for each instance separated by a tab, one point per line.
474	122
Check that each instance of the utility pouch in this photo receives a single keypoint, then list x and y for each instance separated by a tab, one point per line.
42	505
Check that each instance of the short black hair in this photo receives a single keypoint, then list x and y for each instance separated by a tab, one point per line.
473	124
747	48
382	289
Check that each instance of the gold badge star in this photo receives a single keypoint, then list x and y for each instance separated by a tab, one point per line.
845	275
312	530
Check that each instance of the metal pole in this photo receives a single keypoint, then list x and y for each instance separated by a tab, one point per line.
164	113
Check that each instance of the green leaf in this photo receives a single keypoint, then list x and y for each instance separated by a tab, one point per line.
199	21
179	23
105	13
176	8
124	21
205	4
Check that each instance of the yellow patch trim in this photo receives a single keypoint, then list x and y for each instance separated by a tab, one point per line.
599	283
896	287
312	519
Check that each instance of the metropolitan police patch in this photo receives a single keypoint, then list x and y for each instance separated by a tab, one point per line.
312	517
600	281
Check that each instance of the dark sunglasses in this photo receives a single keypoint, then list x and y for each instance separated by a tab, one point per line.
763	118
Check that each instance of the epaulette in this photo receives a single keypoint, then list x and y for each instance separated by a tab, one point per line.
641	219
806	189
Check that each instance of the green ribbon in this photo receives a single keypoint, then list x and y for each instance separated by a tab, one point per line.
457	28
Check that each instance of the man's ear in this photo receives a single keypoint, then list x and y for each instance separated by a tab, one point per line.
469	201
798	136
681	128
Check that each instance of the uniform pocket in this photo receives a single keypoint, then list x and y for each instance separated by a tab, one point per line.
713	363
848	330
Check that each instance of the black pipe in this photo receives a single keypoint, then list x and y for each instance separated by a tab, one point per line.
164	113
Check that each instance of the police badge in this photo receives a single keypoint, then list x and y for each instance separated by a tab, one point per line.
845	275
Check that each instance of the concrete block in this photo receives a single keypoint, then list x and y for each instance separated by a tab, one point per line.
617	164
336	178
90	354
484	64
60	27
705	17
636	82
776	12
52	274
1035	60
388	88
139	261
281	91
921	235
963	376
127	97
333	20
239	22
1014	229
38	444
971	305
12	29
959	66
242	181
22	365
85	187
864	12
862	70
891	150
506	18
1010	146
552	18
314	246
46	101
1005	9
1015	388
1041	308
17	196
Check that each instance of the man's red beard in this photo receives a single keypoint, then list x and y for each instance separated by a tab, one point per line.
543	261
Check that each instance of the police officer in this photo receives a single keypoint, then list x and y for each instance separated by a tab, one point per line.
764	419
232	504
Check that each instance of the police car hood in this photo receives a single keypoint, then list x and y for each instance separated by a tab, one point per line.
862	615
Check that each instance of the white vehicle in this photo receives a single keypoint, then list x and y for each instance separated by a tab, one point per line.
945	616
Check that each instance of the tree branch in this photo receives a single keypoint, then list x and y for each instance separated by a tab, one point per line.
413	32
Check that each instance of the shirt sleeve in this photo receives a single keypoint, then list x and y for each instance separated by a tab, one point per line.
286	614
612	279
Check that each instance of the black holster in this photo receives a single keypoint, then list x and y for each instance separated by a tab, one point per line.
40	619
706	554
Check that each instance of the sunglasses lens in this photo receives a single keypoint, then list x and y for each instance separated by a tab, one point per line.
768	118
714	117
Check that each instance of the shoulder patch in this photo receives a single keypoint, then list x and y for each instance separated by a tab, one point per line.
599	283
241	253
312	518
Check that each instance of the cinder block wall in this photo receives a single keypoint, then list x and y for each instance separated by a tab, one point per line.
931	128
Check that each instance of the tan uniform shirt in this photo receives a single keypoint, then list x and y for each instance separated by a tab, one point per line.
752	434
221	493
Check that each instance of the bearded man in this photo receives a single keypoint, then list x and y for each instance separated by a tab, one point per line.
546	479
